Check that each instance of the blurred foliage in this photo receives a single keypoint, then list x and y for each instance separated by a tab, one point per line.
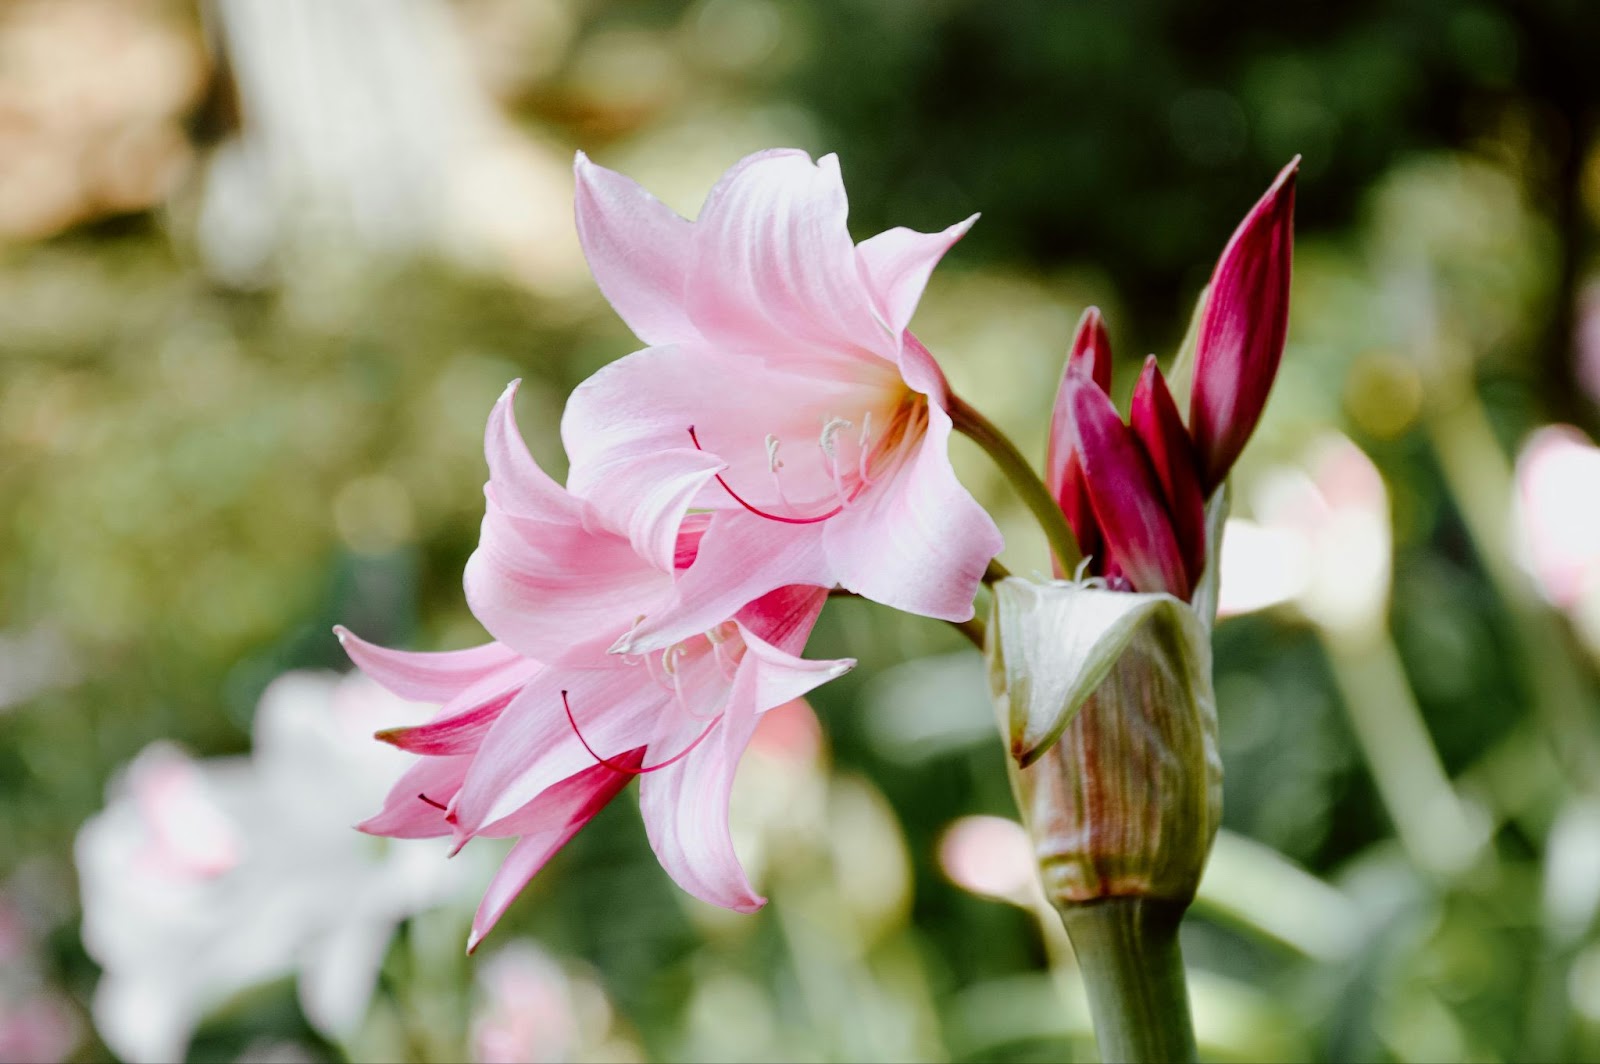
203	468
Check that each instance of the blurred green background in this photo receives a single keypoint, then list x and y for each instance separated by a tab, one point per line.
266	264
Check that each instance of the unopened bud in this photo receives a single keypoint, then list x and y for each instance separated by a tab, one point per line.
1108	702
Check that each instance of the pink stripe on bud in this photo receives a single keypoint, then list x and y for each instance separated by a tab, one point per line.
1091	347
1158	425
1242	330
1125	494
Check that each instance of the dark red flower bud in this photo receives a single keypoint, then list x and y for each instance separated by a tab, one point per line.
1126	495
1242	331
1155	420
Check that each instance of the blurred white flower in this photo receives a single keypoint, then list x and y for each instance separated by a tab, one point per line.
1321	539
1557	508
203	878
367	126
533	1011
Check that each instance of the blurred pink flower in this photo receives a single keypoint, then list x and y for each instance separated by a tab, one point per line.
771	332
38	1024
1587	340
992	857
38	1027
533	1011
540	730
1558	513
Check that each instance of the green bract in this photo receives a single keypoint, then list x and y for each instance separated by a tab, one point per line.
1107	703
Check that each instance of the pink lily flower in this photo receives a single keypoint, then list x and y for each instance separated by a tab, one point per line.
1135	494
782	381
538	730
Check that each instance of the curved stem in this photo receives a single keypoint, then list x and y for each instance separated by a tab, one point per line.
999	447
1127	949
973	629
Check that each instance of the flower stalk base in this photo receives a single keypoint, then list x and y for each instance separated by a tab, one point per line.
1127	949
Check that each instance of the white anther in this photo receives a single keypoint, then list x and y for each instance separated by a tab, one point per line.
830	429
774	463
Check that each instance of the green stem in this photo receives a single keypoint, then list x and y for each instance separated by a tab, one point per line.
1127	949
999	447
972	628
1433	827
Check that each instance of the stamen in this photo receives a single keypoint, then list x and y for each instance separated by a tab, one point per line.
832	457
836	511
865	446
613	766
650	667
724	657
436	805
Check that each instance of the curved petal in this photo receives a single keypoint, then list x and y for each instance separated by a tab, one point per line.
774	268
919	542
545	825
784	617
411	810
557	595
685	805
638	250
781	677
648	496
461	723
898	263
424	676
920	369
520	486
533	746
742	557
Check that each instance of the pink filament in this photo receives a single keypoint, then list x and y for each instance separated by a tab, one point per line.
613	766
836	511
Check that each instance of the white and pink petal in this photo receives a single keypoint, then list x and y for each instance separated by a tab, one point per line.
638	250
917	541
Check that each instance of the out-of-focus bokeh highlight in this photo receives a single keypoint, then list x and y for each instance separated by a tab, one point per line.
266	264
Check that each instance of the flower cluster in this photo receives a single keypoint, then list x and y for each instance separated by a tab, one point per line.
782	435
1135	494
